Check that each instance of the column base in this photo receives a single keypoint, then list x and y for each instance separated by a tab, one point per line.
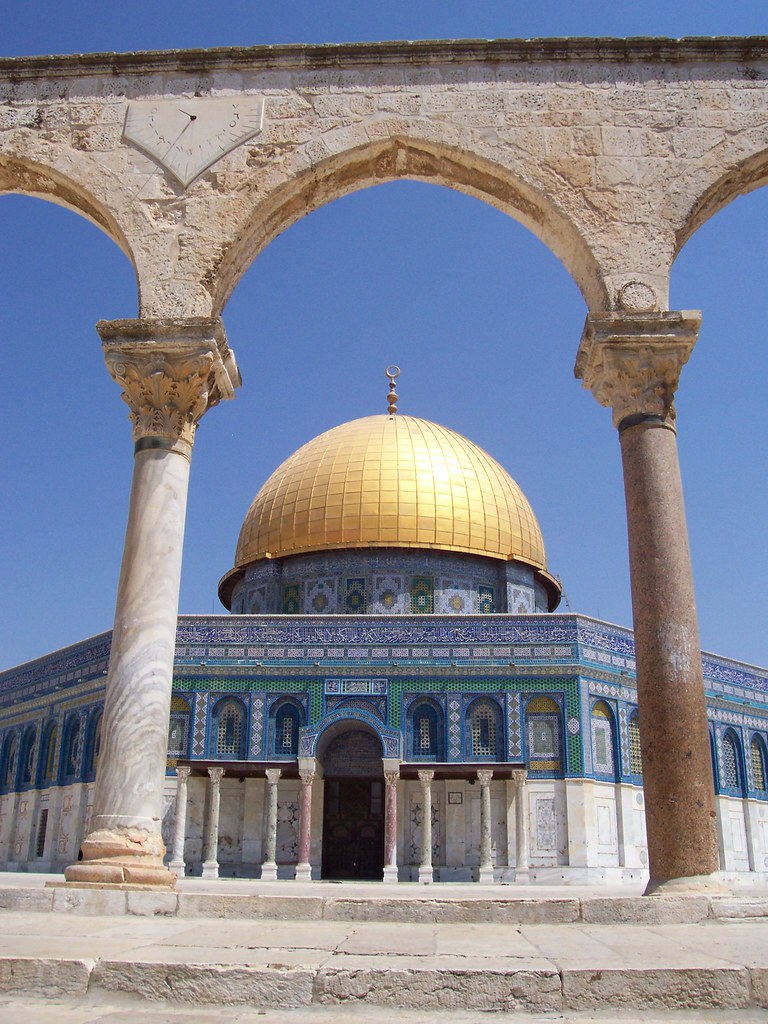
426	875
210	869
269	871
485	876
390	874
303	872
122	857
522	876
713	883
178	867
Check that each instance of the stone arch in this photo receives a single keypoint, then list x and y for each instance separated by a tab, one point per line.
354	749
742	177
314	740
26	177
421	155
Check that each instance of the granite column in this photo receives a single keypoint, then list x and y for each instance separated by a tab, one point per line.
425	862
269	865
391	778
170	372
304	868
632	362
179	822
211	854
485	876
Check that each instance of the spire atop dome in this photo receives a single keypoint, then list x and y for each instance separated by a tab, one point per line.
392	372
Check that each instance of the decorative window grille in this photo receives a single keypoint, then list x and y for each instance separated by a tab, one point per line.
42	829
602	740
425	737
484	732
758	765
543	730
49	764
286	734
230	731
635	754
730	764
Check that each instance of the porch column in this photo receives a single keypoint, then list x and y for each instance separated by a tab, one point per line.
391	777
170	372
269	865
522	838
179	821
631	362
425	864
211	860
485	876
304	868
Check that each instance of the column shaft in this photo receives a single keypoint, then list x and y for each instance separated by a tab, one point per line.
180	822
304	868
677	768
425	863
522	840
269	865
485	875
211	858
390	826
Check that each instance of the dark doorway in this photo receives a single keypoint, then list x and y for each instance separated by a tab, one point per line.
353	829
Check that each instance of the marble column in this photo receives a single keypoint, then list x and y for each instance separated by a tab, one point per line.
522	833
391	778
632	362
211	857
269	865
425	863
170	372
179	822
485	876
304	868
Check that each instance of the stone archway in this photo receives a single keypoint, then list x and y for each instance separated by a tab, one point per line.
353	804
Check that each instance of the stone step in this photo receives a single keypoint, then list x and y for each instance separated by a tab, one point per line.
533	969
98	1009
435	905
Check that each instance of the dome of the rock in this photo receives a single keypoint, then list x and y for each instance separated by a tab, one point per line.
394	483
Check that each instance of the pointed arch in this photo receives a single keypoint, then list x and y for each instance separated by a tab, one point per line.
8	762
286	717
228	730
543	721
603	734
425	730
355	162
484	730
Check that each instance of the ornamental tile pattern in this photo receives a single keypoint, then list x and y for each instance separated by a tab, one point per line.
200	726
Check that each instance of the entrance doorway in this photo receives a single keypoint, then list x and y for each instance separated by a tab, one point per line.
353	829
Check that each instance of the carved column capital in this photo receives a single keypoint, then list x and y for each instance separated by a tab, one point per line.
391	778
519	775
425	777
307	776
216	774
484	776
171	372
631	362
182	773
273	775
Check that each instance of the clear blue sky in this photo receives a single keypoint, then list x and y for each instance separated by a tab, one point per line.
483	320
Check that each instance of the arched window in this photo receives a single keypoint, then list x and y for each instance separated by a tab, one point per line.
635	754
484	731
178	727
46	771
8	762
757	757
229	730
92	745
603	756
731	779
543	732
27	756
426	731
285	731
70	749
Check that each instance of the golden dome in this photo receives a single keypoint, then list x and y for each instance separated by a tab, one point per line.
391	482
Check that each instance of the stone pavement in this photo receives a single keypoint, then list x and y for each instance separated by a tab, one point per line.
244	951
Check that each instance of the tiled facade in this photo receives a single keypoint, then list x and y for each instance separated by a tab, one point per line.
556	693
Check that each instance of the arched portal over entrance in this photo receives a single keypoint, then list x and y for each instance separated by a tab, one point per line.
353	804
